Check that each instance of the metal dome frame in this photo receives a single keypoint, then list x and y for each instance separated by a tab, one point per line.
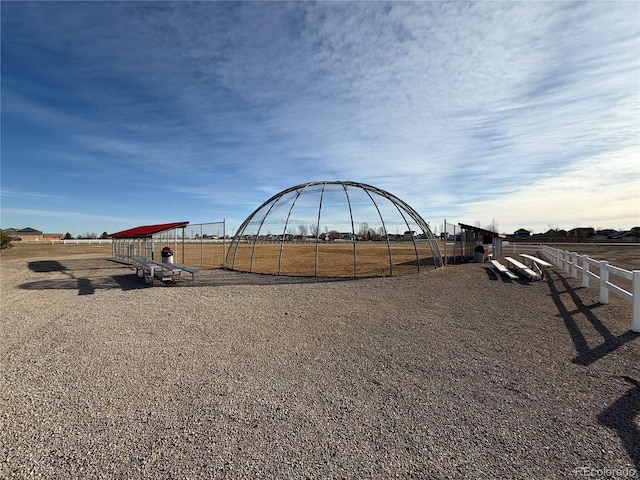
404	209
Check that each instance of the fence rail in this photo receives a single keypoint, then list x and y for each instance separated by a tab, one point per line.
572	263
85	241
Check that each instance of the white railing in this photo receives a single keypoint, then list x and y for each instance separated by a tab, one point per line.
572	263
86	241
515	247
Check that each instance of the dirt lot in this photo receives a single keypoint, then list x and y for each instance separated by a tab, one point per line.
452	373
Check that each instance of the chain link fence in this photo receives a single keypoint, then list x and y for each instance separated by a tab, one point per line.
198	244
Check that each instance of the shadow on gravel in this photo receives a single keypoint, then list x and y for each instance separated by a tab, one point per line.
491	273
88	275
46	266
586	354
223	278
620	416
77	273
86	286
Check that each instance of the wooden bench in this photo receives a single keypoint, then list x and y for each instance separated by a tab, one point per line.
504	270
166	272
523	269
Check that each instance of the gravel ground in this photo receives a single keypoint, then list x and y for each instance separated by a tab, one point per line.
453	373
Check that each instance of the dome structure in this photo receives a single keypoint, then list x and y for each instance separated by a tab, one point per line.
334	229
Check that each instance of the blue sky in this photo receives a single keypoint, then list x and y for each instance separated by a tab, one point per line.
117	114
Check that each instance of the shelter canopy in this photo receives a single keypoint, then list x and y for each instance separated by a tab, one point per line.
148	231
481	231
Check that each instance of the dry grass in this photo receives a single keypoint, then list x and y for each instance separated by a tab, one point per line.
205	255
20	250
299	259
333	259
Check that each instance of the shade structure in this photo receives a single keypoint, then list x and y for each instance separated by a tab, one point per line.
148	231
142	241
334	229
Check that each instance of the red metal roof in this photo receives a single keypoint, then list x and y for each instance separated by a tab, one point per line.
147	231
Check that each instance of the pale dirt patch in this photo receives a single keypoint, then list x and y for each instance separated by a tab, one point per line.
451	373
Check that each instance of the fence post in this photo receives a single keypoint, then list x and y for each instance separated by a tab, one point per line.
565	259
635	306
585	271
604	278
574	265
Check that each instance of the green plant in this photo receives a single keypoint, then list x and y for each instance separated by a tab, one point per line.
5	240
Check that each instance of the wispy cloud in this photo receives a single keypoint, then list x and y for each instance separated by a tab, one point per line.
223	104
49	197
41	216
600	192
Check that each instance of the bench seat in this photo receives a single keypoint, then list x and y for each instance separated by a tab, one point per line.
522	268
536	260
166	272
536	264
503	270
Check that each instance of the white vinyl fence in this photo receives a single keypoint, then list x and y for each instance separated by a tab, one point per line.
86	241
573	263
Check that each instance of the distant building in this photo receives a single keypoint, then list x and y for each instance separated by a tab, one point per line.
29	234
605	234
25	234
551	235
522	233
632	235
581	233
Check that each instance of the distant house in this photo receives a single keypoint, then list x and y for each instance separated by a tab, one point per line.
581	233
551	235
29	234
522	233
632	235
605	234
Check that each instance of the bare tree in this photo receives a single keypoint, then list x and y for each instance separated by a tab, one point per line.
314	230
493	226
303	230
